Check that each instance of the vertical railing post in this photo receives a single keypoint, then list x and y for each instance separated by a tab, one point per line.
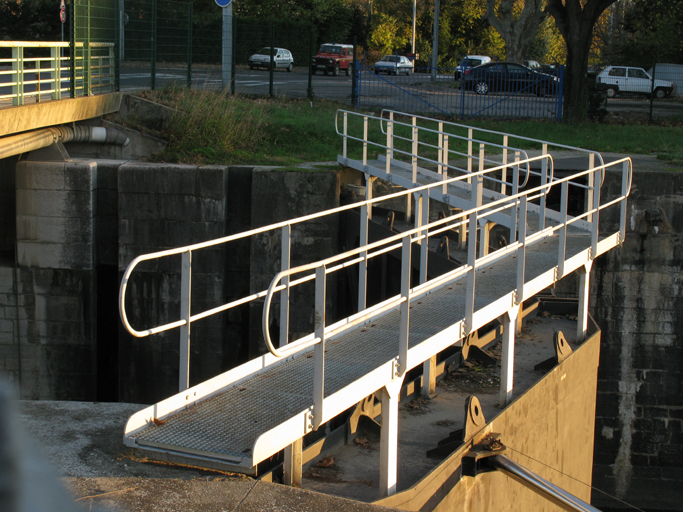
591	186
521	252
390	142
544	192
56	73
189	44
504	172
185	300
595	224
470	149
624	190
345	137
285	261
484	230
444	164
404	329
154	45
421	219
584	293
515	190
365	143
413	158
562	249
319	350
18	68
363	241
439	151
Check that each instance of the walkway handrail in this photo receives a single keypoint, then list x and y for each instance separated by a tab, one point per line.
418	234
443	150
354	256
545	143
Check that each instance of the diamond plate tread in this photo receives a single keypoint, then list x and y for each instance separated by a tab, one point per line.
228	424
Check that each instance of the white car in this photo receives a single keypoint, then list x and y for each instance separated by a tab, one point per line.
628	80
394	65
282	59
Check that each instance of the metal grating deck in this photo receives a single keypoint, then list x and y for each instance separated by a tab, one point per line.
227	425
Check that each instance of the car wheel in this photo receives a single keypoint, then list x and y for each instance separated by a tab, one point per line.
335	71
251	66
481	88
325	72
611	92
290	67
313	71
349	70
660	94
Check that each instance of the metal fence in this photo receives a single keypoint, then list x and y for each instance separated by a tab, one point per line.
424	90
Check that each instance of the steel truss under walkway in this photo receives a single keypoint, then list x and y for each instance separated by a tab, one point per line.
251	412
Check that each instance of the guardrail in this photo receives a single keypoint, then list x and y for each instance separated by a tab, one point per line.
91	70
514	204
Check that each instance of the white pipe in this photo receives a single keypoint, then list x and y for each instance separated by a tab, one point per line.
25	142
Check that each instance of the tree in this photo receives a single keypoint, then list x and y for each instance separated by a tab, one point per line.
517	22
575	19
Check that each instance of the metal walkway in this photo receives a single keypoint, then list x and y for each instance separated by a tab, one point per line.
247	414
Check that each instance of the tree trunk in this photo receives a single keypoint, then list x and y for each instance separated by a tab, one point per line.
576	22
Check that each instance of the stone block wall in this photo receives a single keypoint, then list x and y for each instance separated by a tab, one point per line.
48	304
282	195
637	299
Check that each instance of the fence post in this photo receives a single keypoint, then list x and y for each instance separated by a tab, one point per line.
271	68
233	55
309	91
189	45
354	85
652	85
154	45
86	57
72	47
185	301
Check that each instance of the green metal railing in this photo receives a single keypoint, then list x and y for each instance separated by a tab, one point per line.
41	71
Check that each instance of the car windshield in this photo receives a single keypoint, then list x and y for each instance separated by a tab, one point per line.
390	58
326	48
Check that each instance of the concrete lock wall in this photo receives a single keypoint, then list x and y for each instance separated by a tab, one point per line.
637	299
77	225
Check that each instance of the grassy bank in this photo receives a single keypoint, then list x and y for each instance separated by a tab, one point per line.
213	128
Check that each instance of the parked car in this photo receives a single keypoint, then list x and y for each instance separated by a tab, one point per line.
282	59
470	61
334	58
394	65
508	77
629	80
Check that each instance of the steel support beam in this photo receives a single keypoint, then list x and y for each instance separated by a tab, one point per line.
292	466
507	364
584	292
388	452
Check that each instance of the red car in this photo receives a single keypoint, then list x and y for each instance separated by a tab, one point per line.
334	58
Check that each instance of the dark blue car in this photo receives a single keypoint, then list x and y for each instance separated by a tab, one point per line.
508	77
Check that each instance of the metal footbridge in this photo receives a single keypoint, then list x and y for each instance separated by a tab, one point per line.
250	413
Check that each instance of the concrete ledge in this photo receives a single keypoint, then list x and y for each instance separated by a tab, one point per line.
51	113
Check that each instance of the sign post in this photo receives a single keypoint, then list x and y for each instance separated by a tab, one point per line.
62	16
226	76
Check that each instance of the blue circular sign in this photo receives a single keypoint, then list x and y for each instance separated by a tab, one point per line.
223	3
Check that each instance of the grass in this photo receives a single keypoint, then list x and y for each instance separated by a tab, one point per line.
215	128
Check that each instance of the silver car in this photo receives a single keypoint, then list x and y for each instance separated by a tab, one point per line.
282	59
394	65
